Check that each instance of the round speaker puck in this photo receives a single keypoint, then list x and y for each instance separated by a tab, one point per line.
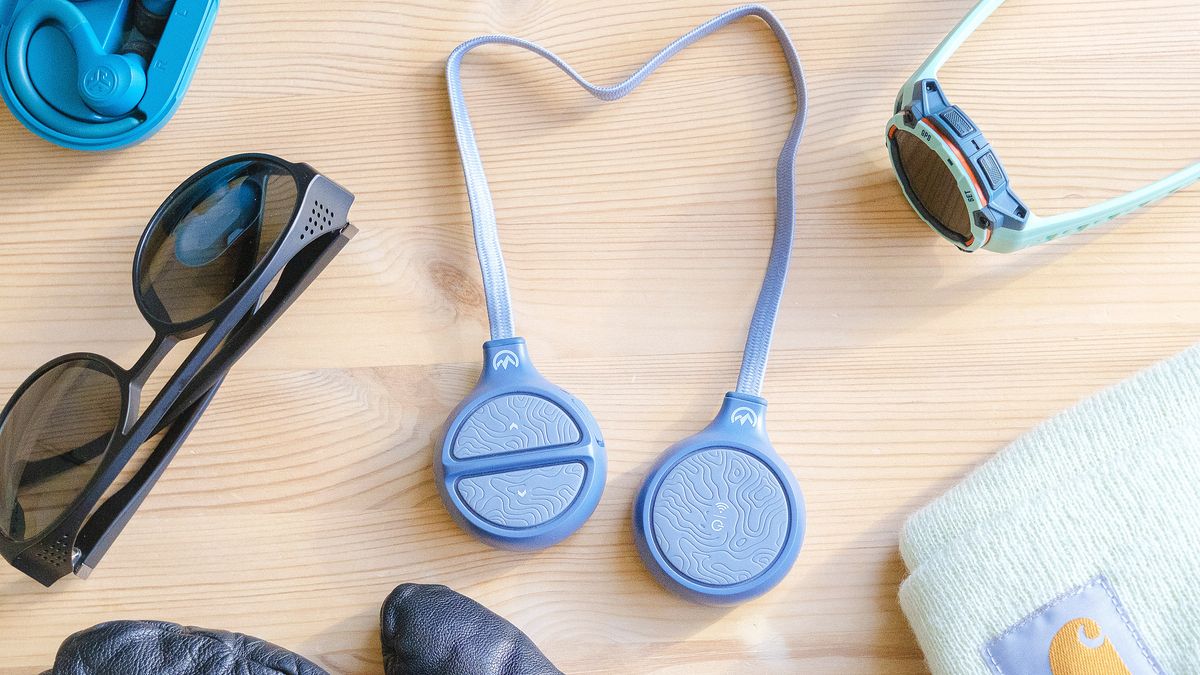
720	518
522	464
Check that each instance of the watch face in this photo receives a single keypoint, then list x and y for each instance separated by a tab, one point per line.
932	184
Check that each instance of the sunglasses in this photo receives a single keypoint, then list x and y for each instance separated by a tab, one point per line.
954	179
224	256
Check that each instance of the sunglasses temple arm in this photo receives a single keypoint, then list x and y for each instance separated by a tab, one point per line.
297	275
106	524
954	40
110	518
1043	229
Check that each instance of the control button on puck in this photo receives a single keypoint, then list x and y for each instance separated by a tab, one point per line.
514	423
523	498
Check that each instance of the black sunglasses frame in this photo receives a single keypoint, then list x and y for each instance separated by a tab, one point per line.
83	533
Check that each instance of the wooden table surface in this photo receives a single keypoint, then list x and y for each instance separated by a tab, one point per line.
636	234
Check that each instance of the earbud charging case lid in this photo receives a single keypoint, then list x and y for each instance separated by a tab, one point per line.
54	73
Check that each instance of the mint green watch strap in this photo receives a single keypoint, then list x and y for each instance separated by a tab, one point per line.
1041	229
954	40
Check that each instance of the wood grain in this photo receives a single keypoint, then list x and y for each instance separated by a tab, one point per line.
635	234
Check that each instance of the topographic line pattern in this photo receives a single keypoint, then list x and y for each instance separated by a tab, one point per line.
721	517
525	498
513	423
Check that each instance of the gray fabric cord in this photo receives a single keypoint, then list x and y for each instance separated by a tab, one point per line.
483	215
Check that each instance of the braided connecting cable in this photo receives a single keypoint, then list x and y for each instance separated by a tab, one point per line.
483	214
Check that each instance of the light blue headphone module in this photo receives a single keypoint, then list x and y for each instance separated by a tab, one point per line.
522	464
100	74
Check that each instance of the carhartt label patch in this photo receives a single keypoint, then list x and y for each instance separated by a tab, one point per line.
1084	632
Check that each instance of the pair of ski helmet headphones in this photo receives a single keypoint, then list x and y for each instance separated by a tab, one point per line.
99	74
522	464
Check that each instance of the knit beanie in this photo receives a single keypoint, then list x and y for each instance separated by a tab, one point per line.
1074	551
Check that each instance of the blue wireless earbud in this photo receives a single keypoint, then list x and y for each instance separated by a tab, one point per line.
720	519
77	74
110	84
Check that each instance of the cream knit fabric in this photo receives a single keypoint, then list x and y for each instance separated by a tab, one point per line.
1110	487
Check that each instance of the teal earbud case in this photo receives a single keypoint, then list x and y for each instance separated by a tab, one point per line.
99	74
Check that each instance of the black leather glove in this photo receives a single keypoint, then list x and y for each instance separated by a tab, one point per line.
161	648
431	630
426	630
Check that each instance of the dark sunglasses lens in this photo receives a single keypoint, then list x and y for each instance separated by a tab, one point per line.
52	441
932	184
211	236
